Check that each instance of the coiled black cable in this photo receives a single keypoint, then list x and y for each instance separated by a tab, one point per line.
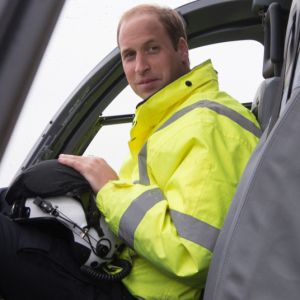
103	276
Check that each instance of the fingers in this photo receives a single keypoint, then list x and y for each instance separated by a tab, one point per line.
78	163
83	164
86	165
95	169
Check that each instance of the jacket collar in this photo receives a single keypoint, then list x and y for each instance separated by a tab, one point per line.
151	112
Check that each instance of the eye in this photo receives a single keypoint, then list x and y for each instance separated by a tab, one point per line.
153	49
128	56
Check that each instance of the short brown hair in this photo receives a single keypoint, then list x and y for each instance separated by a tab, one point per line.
171	20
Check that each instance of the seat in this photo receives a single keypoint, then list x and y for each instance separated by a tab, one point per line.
263	100
257	252
274	28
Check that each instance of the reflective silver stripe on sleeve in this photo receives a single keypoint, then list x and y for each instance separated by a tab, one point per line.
195	230
135	213
220	109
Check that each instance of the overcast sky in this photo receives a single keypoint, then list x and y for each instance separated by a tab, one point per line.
84	35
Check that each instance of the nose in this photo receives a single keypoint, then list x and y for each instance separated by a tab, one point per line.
141	64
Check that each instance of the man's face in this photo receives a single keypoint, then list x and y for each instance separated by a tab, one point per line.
149	58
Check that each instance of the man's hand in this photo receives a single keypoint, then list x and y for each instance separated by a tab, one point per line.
95	169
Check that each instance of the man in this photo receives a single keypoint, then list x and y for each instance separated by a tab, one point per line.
188	148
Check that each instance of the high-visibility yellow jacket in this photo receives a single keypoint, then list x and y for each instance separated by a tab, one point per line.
189	146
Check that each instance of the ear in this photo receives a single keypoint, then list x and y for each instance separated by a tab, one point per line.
183	51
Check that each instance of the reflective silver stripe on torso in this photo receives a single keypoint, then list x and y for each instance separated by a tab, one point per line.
187	226
142	161
195	230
